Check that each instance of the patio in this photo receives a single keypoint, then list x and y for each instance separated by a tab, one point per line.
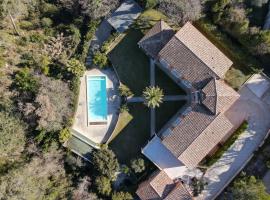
95	135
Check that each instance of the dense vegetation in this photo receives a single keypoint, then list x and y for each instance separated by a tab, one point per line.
43	48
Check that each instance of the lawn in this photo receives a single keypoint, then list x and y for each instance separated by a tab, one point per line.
166	111
131	64
167	84
134	136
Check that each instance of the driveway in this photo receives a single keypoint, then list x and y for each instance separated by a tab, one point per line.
257	112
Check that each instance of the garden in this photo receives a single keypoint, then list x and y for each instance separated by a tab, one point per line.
133	69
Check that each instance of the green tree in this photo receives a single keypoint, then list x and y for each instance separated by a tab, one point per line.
103	185
105	162
25	81
100	59
75	67
138	165
121	196
248	187
153	96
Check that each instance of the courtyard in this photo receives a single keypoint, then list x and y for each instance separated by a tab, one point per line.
133	68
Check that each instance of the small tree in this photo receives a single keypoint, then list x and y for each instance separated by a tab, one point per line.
75	67
121	196
100	59
153	96
105	162
103	185
138	165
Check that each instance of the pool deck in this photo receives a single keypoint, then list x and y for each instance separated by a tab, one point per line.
97	134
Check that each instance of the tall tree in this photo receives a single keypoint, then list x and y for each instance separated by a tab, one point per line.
105	162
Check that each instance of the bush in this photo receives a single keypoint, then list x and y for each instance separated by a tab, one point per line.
125	91
75	67
27	25
36	38
100	59
46	22
25	81
2	62
124	108
150	3
64	135
138	165
121	196
103	185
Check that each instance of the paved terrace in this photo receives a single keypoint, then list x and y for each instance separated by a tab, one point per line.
254	106
97	134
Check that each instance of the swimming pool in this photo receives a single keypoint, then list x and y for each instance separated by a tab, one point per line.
96	99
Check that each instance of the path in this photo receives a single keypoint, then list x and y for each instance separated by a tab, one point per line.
165	98
152	110
231	163
102	33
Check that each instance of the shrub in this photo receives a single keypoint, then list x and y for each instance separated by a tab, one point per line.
125	91
46	22
27	25
121	196
151	3
75	67
36	38
100	59
124	108
64	135
105	162
25	81
103	185
138	165
2	62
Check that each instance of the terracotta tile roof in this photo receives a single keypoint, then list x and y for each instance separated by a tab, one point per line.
209	96
226	95
204	49
156	38
185	62
206	141
179	193
190	127
162	184
159	186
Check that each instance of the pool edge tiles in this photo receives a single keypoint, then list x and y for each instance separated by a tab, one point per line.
96	98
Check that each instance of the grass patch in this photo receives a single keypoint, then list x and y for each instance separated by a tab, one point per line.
166	111
210	161
244	63
131	64
123	120
167	84
148	19
128	143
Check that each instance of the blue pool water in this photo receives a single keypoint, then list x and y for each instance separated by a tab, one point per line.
96	99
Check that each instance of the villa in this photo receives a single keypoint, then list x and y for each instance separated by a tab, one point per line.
196	131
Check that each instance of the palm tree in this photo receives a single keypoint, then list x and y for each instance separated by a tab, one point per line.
153	96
